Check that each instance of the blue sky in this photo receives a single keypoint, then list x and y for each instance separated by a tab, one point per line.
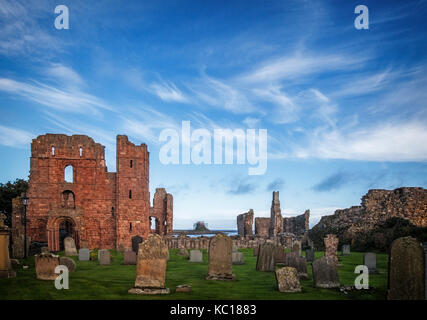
345	109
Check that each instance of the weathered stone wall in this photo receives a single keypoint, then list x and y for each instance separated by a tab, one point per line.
298	225
103	209
162	211
262	227
377	208
245	223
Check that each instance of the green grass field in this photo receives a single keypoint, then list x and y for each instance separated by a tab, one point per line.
91	281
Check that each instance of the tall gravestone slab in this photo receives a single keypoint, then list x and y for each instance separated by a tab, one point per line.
280	254
425	270
331	247
104	257
220	258
370	260
45	266
406	270
309	255
6	270
256	250
136	240
296	247
345	249
325	273
151	267
196	256
266	260
287	280
70	247
84	254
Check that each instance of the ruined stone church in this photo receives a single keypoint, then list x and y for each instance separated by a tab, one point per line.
71	193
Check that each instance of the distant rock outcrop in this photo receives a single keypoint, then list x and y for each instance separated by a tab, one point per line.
200	227
382	216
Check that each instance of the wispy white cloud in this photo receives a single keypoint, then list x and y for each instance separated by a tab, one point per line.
69	100
63	74
168	92
13	137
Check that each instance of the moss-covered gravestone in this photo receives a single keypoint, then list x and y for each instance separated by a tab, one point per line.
151	267
406	270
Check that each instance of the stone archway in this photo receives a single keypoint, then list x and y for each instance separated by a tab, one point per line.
58	228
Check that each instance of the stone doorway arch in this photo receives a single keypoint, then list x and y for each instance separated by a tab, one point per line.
58	228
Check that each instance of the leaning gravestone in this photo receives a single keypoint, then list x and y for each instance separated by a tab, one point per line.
68	262
309	255
325	273
45	266
237	258
104	257
287	280
136	240
84	254
345	249
266	257
70	247
129	257
406	270
196	256
220	258
370	260
292	259
151	267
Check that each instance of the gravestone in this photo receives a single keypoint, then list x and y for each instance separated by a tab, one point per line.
425	271
68	262
70	247
345	249
196	256
287	280
183	288
309	255
84	254
6	270
256	250
129	257
292	259
136	240
406	268
237	258
296	247
331	246
151	267
266	258
325	273
370	260
234	247
183	252
220	258
45	266
104	257
280	255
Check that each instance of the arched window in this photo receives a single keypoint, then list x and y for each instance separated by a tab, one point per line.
53	150
131	163
153	223
130	194
68	174
81	151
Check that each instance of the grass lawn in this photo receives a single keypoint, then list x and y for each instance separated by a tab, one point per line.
91	281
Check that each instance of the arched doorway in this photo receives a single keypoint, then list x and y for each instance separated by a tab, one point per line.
58	229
